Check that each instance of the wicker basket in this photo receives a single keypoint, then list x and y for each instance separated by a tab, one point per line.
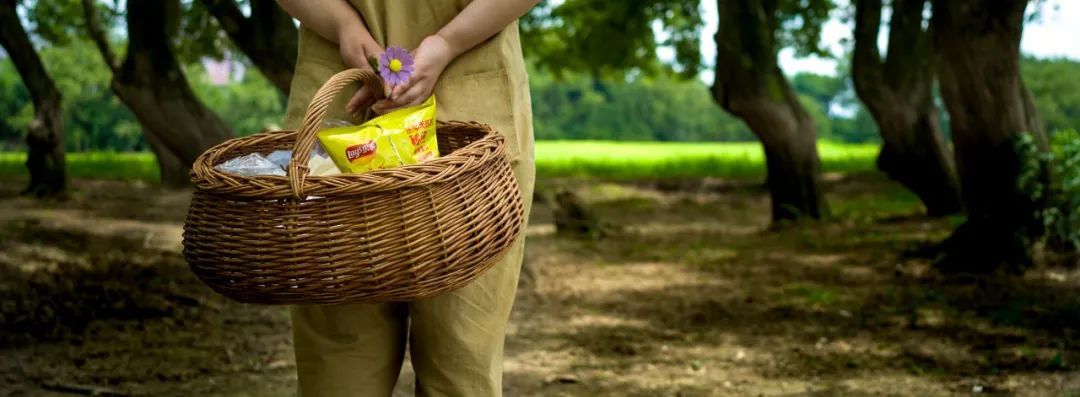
391	235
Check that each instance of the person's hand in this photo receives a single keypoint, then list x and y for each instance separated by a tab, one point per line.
356	48
429	60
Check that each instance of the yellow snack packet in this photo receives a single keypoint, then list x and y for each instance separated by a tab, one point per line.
401	137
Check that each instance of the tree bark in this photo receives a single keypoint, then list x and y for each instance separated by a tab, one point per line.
45	135
978	47
150	82
750	85
898	93
268	37
173	172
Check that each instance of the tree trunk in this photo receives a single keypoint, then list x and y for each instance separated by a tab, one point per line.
898	93
978	46
152	84
268	37
45	135
750	85
173	172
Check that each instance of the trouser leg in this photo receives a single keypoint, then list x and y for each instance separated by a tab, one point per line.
457	338
349	350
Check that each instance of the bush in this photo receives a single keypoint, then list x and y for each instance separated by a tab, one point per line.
1061	216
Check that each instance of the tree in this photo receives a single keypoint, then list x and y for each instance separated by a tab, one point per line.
1055	87
750	85
150	81
601	37
978	47
45	134
825	90
268	37
898	92
647	108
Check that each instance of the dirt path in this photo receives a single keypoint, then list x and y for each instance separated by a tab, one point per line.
693	297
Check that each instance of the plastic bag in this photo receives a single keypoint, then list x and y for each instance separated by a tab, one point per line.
280	157
319	163
251	165
401	137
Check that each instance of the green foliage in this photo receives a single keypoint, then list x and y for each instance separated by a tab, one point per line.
200	35
1061	217
801	22
825	90
1055	88
817	113
600	37
196	34
13	98
56	21
860	128
248	106
605	38
95	120
819	94
663	109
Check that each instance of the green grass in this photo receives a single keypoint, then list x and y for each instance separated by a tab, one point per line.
595	159
93	165
651	160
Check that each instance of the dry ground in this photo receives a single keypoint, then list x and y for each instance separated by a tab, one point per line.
692	296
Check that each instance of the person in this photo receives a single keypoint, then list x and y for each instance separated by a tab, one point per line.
469	55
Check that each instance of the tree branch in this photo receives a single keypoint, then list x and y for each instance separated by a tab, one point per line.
746	53
866	66
16	42
910	59
93	27
268	37
230	17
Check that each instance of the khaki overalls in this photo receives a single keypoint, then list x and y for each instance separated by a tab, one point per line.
456	339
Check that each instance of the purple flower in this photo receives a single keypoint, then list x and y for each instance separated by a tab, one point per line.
395	65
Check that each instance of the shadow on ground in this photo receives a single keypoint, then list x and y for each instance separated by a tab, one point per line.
695	296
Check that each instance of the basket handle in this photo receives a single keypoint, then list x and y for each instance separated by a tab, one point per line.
305	140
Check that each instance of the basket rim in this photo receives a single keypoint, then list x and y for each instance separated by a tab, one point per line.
468	158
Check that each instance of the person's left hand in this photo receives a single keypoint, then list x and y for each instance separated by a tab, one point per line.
429	60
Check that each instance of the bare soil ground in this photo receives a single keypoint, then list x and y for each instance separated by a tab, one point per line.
692	296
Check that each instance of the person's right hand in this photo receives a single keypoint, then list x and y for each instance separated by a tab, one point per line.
356	48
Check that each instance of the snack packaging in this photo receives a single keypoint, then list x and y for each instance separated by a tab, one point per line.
322	166
401	137
275	163
253	164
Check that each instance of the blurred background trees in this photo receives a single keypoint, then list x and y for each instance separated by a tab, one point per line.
898	92
45	131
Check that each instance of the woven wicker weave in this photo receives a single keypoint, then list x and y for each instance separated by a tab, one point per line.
391	235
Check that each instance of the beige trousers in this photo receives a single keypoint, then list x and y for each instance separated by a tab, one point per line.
456	339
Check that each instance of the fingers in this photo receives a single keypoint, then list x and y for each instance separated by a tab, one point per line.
359	101
410	96
400	88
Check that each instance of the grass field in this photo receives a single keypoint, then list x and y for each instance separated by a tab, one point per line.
633	160
595	159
